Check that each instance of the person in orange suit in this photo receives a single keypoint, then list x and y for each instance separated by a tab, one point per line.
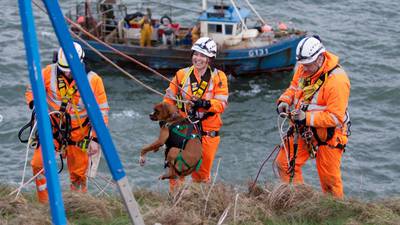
145	32
207	88
318	94
73	135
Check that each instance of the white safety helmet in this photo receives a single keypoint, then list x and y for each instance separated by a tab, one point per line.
62	63
308	50
206	46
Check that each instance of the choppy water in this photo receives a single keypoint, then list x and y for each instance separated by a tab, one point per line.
364	33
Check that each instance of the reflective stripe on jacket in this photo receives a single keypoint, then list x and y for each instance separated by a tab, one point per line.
54	98
217	93
328	106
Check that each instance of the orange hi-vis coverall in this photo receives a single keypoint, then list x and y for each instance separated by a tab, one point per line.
217	93
327	115
77	157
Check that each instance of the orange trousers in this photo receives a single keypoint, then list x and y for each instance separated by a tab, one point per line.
77	162
210	148
328	163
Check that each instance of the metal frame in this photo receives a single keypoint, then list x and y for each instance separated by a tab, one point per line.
96	118
44	126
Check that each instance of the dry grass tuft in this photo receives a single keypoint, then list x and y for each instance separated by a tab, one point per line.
198	204
20	211
393	204
286	196
203	204
77	204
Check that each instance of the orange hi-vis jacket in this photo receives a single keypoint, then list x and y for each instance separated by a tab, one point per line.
216	92
327	107
75	108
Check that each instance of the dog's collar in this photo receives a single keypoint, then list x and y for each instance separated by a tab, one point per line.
163	124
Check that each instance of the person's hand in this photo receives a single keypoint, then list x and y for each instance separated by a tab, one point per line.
93	149
282	109
31	105
299	117
200	103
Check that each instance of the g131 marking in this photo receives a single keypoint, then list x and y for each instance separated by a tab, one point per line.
258	52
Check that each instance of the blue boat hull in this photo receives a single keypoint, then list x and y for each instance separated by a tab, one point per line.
270	58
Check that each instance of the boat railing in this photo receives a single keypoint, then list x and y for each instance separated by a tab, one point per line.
100	18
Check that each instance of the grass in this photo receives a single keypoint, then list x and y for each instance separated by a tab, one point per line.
279	205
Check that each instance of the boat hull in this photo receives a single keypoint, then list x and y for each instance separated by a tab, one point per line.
279	56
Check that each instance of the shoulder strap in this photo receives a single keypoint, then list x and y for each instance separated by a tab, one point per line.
66	94
198	90
310	90
187	74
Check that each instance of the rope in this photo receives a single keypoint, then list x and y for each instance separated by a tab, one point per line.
262	165
18	190
116	66
282	133
116	51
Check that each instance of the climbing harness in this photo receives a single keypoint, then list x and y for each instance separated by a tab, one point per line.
179	140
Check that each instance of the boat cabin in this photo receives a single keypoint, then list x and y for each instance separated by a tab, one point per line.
225	24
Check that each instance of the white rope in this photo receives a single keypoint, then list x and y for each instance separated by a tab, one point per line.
101	190
26	183
22	184
108	182
282	133
26	159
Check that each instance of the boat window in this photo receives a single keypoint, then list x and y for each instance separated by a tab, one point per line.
214	28
228	29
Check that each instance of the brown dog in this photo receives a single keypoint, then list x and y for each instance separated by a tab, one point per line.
183	152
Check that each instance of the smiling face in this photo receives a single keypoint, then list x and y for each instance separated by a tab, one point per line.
200	61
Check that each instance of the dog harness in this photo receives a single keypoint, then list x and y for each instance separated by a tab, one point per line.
178	139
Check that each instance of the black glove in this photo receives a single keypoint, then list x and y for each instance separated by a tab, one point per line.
299	117
200	103
31	105
282	107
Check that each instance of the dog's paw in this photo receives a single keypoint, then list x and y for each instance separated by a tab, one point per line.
142	160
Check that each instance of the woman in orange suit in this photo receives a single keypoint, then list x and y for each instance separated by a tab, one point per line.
207	88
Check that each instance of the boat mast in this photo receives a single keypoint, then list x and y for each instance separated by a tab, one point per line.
204	5
240	17
255	12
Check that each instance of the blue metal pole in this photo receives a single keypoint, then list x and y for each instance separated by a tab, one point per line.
44	126
96	118
79	75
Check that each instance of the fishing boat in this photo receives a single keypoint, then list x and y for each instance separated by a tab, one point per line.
243	49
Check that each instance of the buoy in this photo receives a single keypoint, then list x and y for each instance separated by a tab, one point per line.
266	28
282	26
